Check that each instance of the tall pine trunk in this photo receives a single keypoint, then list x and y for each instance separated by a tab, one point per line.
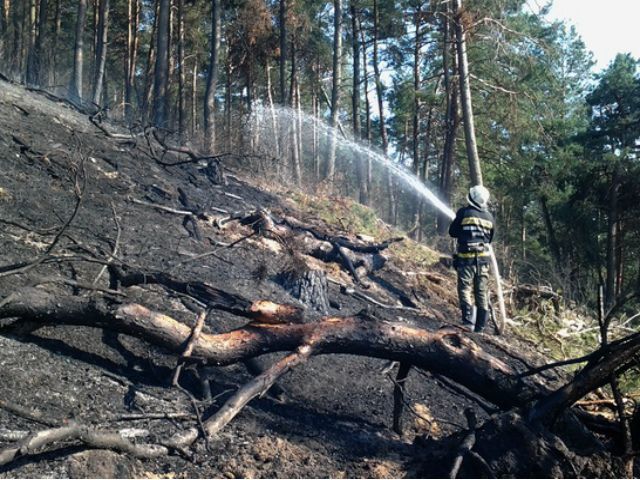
39	59
272	111
367	106
161	72
101	51
475	171
228	104
3	25
57	29
612	239
335	90
282	17
182	74
212	81
75	87
361	166
415	134
383	128
31	25
194	97
130	64
147	96
295	146
452	122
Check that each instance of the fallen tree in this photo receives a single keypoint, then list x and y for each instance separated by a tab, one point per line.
449	352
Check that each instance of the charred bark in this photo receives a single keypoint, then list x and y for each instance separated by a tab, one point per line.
357	257
448	352
307	285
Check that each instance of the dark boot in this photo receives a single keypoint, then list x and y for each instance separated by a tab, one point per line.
482	317
467	315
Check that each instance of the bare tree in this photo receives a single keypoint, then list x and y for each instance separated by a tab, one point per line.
355	101
380	95
282	16
465	92
212	79
101	51
75	87
335	90
161	74
182	73
57	29
133	13
452	119
37	59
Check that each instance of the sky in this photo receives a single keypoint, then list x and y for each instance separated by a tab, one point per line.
607	27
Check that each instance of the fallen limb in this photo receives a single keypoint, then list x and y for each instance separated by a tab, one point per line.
84	435
449	352
359	258
153	416
197	329
256	387
613	358
466	445
398	396
28	414
215	298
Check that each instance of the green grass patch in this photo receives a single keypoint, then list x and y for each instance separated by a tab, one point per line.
342	213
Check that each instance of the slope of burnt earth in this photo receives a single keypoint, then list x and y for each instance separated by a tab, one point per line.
112	248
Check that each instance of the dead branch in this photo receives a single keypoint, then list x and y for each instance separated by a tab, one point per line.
39	231
398	396
153	416
116	245
160	207
483	464
152	132
466	445
189	348
347	290
80	285
28	414
625	426
84	435
613	358
79	187
256	387
96	120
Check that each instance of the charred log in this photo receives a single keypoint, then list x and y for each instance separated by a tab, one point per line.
359	258
261	311
449	352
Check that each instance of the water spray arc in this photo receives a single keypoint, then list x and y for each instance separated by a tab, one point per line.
262	127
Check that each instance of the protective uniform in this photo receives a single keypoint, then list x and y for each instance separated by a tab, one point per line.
473	227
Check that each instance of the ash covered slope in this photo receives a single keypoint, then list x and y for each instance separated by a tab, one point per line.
337	413
334	418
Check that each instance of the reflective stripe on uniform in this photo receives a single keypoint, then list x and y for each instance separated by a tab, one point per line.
473	254
480	222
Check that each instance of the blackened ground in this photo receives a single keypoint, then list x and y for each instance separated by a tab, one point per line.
336	417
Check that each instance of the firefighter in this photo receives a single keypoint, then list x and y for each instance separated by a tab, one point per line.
473	228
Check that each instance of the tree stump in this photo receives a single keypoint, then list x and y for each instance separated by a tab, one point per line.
214	172
307	285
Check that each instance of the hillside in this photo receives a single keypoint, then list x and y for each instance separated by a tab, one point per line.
77	204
